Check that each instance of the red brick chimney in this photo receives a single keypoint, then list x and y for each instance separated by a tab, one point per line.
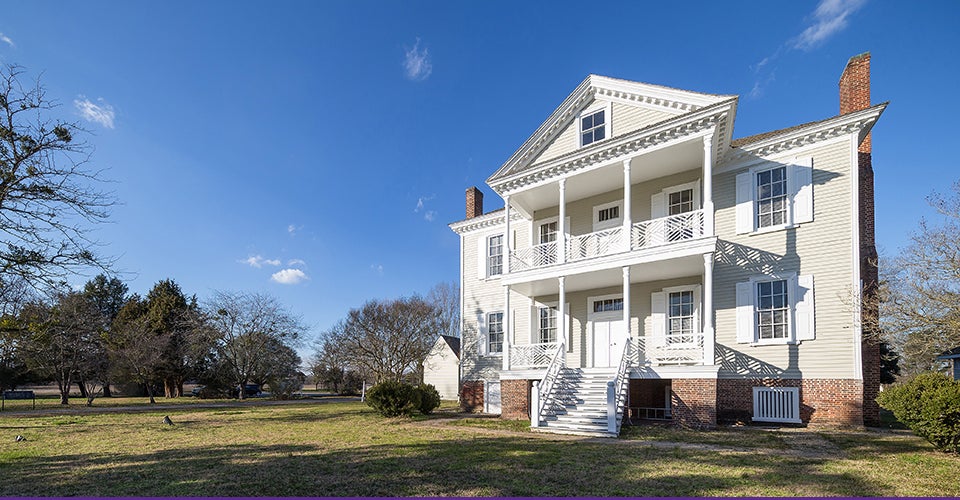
854	96
855	90
474	202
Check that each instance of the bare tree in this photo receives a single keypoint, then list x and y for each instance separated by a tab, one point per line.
445	297
65	342
920	308
246	329
47	196
387	339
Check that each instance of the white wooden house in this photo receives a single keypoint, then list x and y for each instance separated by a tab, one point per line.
647	265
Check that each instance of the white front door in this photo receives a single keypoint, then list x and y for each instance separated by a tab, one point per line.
492	398
609	339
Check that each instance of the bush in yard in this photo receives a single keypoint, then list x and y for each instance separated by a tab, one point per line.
392	399
929	404
429	398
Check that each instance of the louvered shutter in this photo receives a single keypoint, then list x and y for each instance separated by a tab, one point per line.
804	308
802	173
745	313
745	209
482	258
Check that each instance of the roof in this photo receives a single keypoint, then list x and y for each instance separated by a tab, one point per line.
454	343
951	354
743	141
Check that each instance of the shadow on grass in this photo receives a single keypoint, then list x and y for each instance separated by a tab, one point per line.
445	466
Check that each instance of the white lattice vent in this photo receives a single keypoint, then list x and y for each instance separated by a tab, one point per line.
776	404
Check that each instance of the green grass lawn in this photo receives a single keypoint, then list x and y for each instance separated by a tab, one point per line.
345	449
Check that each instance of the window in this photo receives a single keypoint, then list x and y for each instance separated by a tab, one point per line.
607	305
772	309
608	214
548	232
772	197
776	310
680	317
495	332
547	328
593	127
680	202
495	255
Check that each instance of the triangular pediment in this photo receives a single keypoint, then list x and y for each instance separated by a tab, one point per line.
631	106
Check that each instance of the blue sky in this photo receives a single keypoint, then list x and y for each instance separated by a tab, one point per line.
317	150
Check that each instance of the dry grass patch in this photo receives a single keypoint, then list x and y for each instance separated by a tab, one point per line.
346	449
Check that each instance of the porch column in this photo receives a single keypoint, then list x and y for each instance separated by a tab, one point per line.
708	226
562	313
709	337
562	223
507	328
626	302
627	220
507	250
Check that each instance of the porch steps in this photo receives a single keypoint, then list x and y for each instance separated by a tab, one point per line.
578	403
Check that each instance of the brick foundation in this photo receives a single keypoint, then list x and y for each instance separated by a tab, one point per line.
835	402
515	399
471	396
694	402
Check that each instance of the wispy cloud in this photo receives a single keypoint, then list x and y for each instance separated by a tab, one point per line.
99	112
416	63
296	262
5	39
289	276
293	229
377	268
258	261
829	18
428	215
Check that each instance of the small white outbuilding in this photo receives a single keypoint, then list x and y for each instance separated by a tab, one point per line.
441	368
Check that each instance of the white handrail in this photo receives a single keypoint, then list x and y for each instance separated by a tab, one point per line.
532	355
616	392
541	391
669	229
595	244
669	349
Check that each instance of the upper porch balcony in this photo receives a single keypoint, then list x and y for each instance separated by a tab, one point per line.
643	235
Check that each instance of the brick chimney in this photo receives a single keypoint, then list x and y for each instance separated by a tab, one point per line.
855	90
474	202
854	96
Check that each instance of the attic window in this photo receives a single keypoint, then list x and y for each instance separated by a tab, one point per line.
593	127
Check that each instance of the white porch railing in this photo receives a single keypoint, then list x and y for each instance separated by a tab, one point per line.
595	244
544	254
532	355
646	234
667	350
617	393
540	392
670	229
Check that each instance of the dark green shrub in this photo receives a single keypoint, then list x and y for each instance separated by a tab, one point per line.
429	398
929	404
392	399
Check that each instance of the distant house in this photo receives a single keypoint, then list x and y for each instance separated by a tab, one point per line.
953	355
441	368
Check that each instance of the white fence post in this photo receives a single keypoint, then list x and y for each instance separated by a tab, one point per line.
535	405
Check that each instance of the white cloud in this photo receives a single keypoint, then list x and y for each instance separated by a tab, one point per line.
430	215
296	262
5	39
829	18
258	261
101	113
293	229
416	63
377	268
289	276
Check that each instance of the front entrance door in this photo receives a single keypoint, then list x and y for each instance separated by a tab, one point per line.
609	339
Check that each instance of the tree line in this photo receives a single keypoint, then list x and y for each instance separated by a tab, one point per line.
103	336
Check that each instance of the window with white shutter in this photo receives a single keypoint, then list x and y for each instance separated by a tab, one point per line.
775	196
772	310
